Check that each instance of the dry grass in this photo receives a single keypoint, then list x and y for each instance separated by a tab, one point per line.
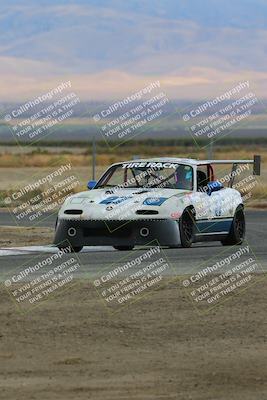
19	168
41	160
106	157
22	236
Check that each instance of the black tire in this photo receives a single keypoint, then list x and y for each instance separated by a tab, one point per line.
238	229
123	248
72	250
187	228
77	249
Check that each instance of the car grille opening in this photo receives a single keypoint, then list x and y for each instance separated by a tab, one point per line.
107	231
73	212
147	212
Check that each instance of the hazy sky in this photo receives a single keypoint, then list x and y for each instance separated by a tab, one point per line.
196	48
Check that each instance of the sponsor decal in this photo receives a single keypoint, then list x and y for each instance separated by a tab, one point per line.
149	164
114	200
154	201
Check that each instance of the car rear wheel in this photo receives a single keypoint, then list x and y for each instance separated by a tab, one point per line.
123	248
238	229
187	228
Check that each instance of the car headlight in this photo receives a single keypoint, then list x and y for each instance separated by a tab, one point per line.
154	201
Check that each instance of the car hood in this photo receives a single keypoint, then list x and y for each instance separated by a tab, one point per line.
126	203
99	195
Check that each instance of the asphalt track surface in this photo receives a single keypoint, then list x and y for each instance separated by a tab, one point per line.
48	220
95	260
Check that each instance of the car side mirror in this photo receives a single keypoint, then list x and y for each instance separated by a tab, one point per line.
91	185
214	187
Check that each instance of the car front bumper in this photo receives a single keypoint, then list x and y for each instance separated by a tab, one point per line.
118	233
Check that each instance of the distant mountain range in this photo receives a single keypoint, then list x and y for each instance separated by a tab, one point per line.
109	46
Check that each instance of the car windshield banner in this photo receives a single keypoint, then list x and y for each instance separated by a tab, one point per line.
150	165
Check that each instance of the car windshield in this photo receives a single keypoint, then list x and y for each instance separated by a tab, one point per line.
145	174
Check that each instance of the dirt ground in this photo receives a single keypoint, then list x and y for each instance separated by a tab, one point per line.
11	236
71	347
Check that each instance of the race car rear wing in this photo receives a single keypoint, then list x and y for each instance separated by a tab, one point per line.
256	163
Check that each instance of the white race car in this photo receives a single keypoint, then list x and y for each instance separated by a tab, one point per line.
169	201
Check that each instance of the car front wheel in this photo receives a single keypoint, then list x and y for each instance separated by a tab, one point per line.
74	249
123	248
187	228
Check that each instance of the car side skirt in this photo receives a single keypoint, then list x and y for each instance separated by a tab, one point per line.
212	229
